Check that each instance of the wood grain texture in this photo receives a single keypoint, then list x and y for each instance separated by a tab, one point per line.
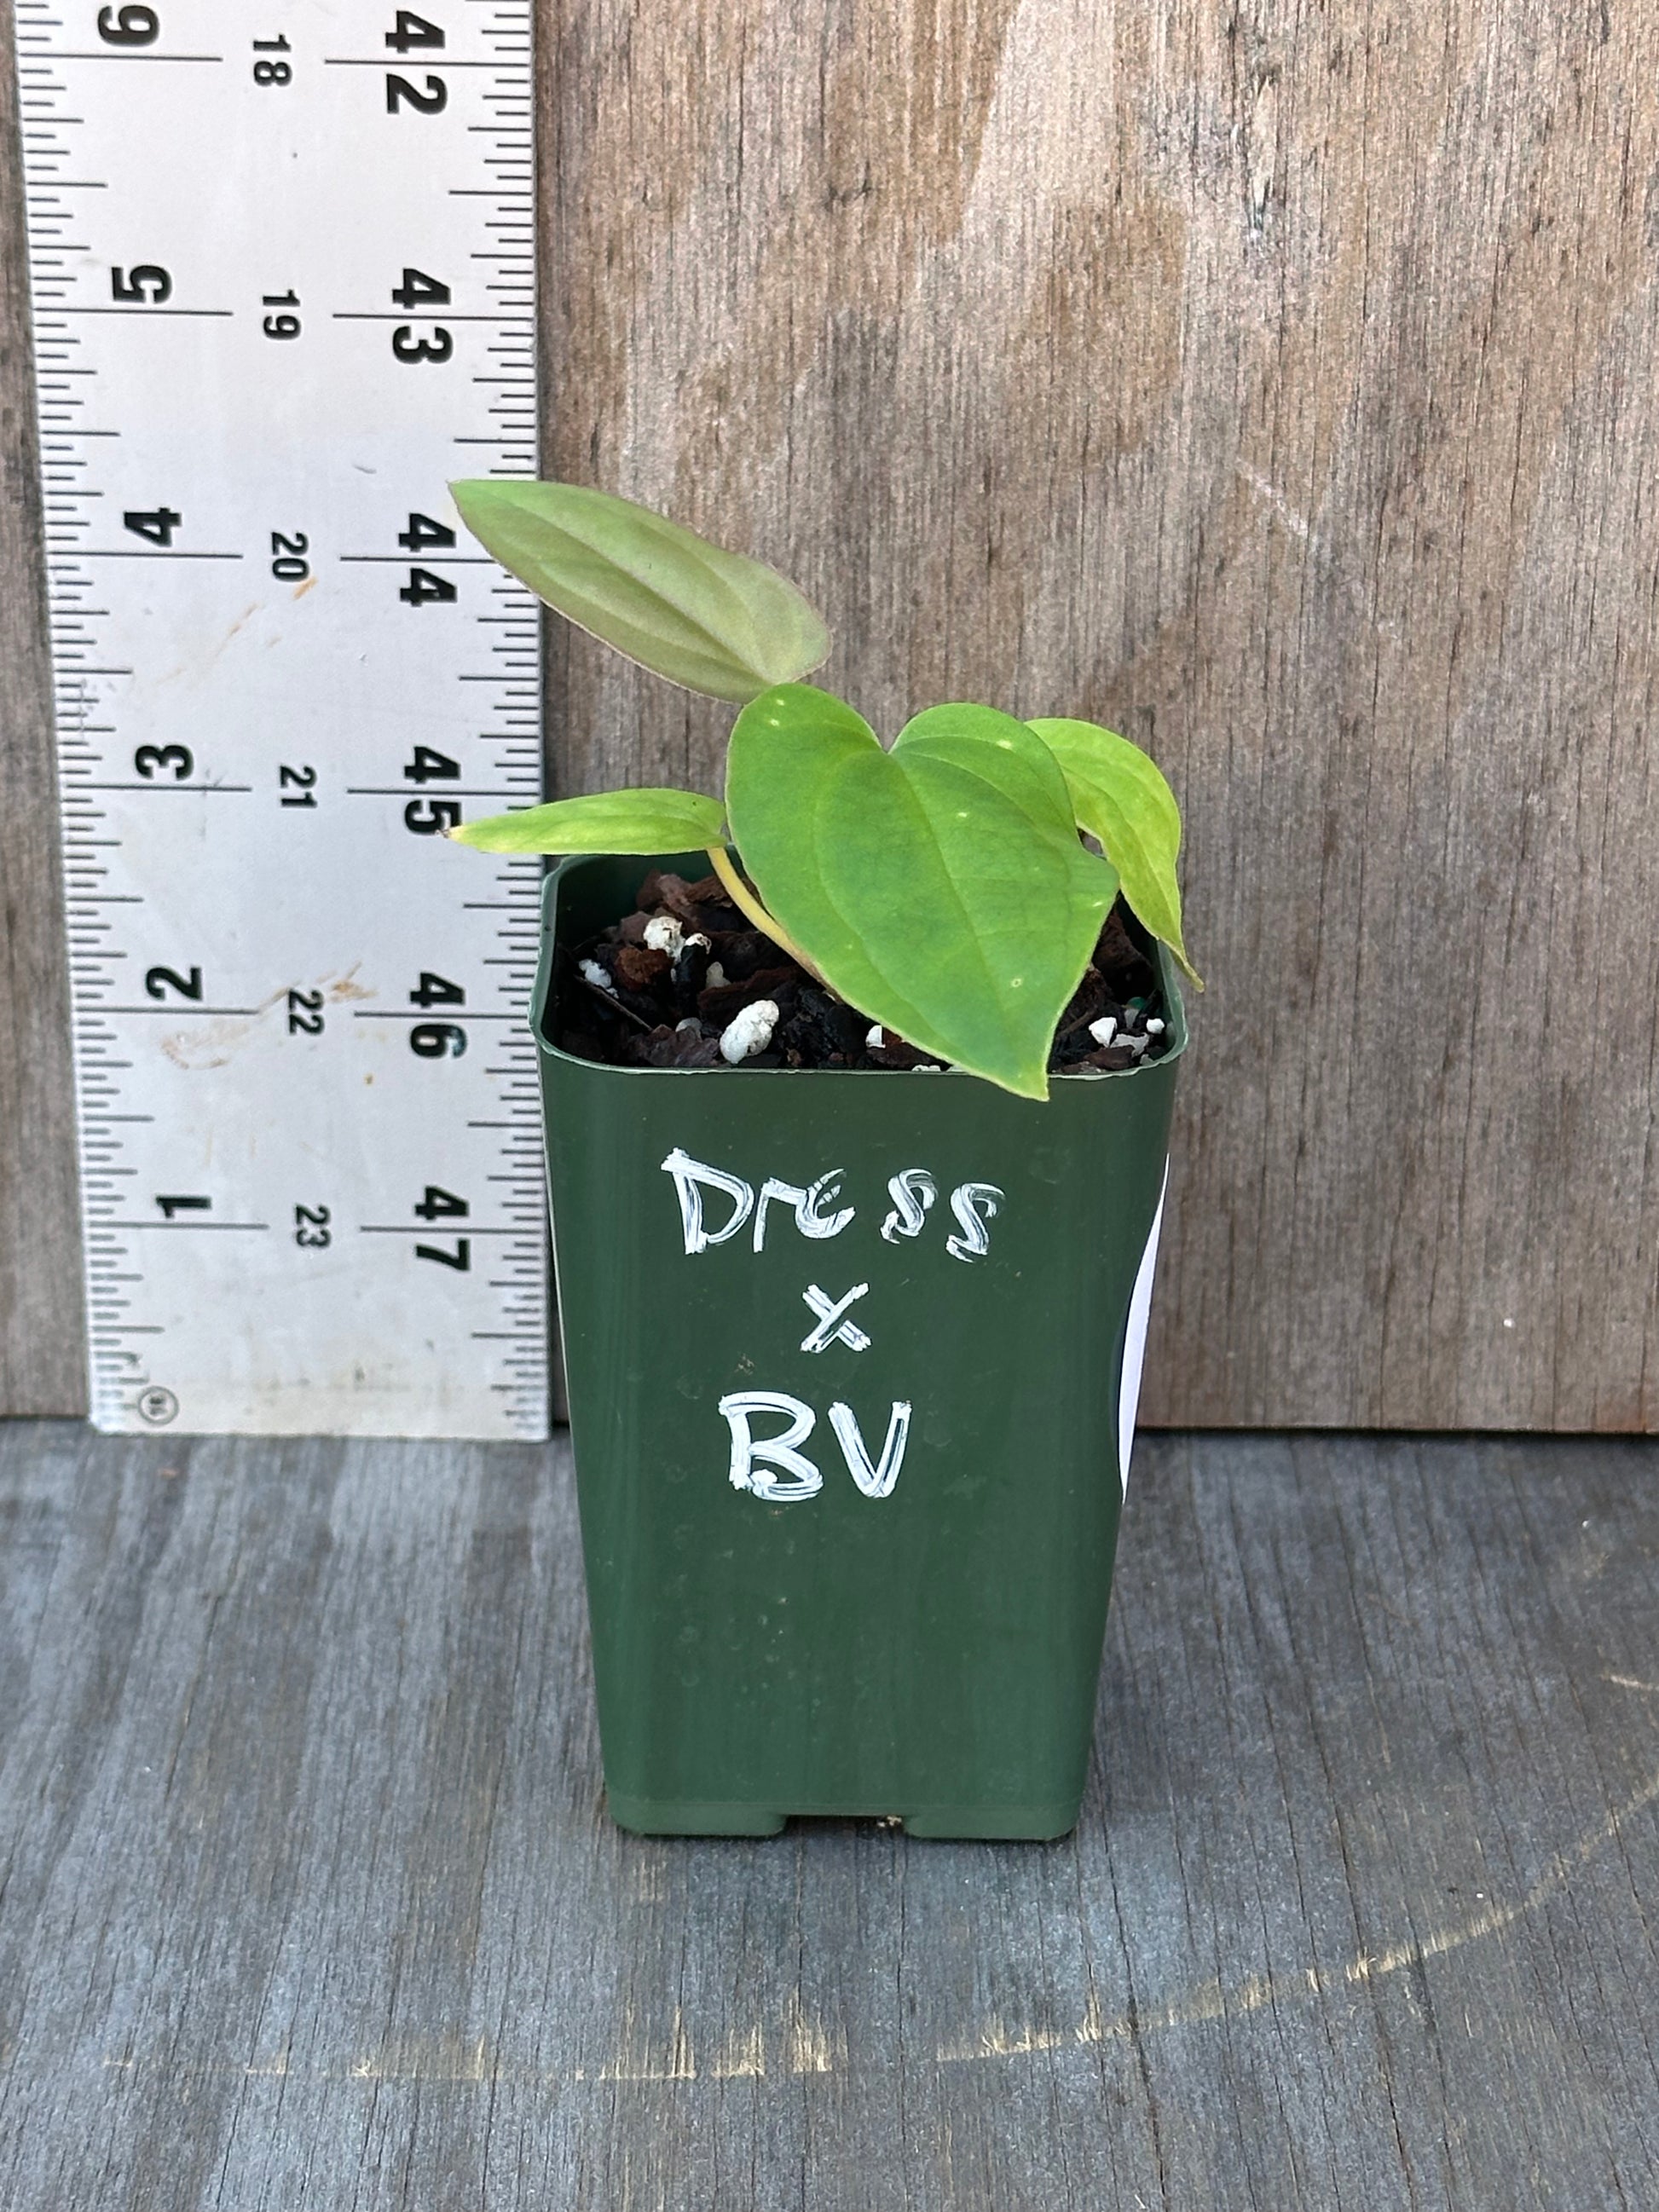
42	1336
310	1900
1272	382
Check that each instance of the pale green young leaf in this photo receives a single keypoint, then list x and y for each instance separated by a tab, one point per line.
711	621
1121	797
610	822
939	888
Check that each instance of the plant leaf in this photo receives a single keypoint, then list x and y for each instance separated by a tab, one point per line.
708	620
1121	797
939	888
610	822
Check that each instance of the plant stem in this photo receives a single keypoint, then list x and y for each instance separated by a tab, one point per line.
744	900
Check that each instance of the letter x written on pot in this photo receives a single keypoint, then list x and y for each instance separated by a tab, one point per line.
839	1318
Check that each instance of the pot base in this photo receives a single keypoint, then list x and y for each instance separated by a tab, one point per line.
654	1816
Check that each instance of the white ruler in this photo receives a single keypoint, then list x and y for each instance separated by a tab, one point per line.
282	264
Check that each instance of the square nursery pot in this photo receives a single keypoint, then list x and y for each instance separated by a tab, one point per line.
851	1359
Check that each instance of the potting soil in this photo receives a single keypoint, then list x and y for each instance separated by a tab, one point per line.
663	988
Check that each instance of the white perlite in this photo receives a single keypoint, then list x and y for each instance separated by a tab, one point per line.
663	934
875	1039
749	1032
592	973
1104	1029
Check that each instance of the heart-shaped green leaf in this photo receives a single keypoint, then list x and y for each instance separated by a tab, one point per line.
610	822
1121	797
939	888
709	620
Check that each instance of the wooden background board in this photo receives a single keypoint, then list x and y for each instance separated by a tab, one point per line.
311	1899
1276	384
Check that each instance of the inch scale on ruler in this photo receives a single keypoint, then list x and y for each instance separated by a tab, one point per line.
283	292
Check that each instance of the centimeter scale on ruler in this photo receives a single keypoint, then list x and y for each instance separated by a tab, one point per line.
283	291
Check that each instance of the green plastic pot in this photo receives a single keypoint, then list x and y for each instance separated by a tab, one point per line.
890	1611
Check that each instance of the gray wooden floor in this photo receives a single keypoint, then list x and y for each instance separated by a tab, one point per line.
308	1899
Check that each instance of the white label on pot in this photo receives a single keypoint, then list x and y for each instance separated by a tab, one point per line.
282	266
1134	1346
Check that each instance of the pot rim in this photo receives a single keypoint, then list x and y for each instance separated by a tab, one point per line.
541	999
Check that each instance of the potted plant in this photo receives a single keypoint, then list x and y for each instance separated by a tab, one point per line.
852	1359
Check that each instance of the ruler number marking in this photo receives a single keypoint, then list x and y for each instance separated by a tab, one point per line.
281	326
148	285
157	524
423	589
298	781
159	980
460	1258
423	534
266	72
172	1204
435	346
436	1040
399	92
420	290
132	26
440	1205
305	1014
289	565
425	817
429	766
149	758
410	31
311	1226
